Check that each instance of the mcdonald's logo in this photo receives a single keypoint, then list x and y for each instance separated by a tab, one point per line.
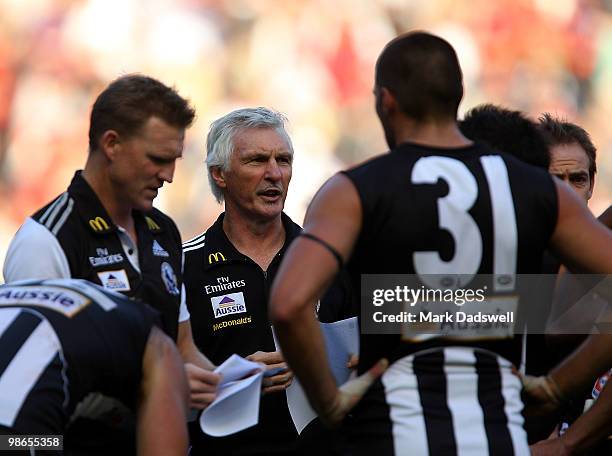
152	225
215	256
98	224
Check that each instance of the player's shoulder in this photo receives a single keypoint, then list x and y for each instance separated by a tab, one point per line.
159	222
58	215
195	246
526	171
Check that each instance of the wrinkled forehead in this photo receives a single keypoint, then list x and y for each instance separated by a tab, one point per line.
569	156
262	139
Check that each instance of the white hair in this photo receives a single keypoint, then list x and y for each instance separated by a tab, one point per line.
220	139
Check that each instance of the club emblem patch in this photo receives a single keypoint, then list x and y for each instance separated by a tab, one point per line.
169	278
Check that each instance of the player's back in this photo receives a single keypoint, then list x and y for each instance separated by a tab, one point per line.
431	213
62	340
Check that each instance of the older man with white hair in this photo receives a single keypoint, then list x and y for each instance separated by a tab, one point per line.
229	268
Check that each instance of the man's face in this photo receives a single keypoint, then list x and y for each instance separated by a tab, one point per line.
570	163
260	170
144	162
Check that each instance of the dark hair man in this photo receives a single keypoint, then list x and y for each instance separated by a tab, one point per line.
508	131
66	341
105	229
572	154
426	208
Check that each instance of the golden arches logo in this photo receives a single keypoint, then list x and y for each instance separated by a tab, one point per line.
98	224
151	224
216	257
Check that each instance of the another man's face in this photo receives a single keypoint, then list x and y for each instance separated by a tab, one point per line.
145	162
570	163
259	174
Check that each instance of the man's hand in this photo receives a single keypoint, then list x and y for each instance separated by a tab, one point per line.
542	398
350	393
353	362
273	361
202	386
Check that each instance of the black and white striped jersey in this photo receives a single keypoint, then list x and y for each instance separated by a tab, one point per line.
465	211
63	340
441	401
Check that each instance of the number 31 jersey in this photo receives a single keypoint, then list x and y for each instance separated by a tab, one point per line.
466	211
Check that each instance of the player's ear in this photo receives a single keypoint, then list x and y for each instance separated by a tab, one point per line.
218	176
109	144
388	102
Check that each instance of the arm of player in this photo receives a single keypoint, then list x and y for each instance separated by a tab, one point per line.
202	380
308	268
587	431
570	379
162	409
581	242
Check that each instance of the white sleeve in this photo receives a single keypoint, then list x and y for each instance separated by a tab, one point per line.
184	314
35	253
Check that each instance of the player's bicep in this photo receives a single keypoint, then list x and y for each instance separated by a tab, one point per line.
335	215
582	243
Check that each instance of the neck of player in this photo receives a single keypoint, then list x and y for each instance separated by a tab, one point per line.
120	214
260	239
434	133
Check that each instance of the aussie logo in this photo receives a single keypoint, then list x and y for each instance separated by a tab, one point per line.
67	302
169	278
229	304
104	259
114	280
158	250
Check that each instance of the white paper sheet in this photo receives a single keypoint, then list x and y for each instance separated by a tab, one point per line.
236	406
341	341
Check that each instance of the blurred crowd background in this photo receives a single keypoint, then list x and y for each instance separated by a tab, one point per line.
313	60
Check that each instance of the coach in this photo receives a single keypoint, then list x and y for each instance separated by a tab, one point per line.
229	269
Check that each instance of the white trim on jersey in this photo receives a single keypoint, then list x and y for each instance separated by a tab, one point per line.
52	210
63	218
35	253
196	240
194	244
26	367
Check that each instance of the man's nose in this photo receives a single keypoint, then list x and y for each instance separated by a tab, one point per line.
273	171
166	173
